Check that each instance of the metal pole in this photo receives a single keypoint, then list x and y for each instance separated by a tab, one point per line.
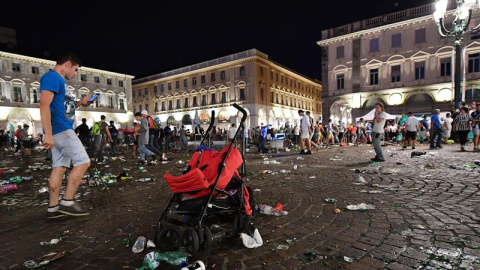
458	64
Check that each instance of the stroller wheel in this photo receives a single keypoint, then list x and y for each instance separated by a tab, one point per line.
190	241
167	238
207	239
238	223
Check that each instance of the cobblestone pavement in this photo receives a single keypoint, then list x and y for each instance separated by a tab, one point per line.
423	214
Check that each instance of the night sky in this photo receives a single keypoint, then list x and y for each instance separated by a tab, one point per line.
147	37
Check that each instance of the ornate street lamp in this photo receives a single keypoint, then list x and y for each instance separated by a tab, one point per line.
463	15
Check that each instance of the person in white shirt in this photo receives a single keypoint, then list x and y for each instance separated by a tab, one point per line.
378	132
305	134
231	132
296	134
412	127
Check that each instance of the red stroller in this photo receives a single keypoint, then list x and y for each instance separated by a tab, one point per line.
210	186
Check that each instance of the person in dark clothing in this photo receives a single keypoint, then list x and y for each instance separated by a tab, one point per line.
114	133
83	132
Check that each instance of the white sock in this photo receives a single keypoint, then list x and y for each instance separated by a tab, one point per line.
52	209
67	202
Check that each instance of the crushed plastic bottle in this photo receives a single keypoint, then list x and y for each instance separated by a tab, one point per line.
139	244
274	211
330	200
8	187
146	179
198	265
151	260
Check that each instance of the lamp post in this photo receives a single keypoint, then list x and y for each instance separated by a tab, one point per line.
463	15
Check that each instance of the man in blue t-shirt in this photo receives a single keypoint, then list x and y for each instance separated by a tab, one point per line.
57	110
436	130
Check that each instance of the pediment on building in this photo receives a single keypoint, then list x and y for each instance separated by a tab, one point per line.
447	50
420	55
396	59
373	63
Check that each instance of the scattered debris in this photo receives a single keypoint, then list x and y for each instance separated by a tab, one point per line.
361	207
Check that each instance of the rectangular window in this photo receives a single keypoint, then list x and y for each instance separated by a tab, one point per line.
146	107
242	94
374	76
276	98
271	75
83	77
35	70
169	86
261	94
194	81
473	62
261	71
212	100
396	40
340	81
340	52
155	89
445	67
122	104
16	67
185	103
120	83
281	79
202	79
420	71
156	106
195	104
139	106
177	84
374	45
204	100
271	97
139	92
395	73
178	104
222	75
163	106
242	70
224	97
185	83
133	93
170	105
97	79
212	77
419	35
109	81
276	77
146	91
110	102
17	94
162	87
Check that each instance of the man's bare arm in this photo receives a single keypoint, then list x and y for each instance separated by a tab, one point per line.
46	98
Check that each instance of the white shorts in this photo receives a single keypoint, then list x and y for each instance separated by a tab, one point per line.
68	148
305	135
476	130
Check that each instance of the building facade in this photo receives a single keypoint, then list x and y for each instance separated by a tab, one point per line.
399	60
270	93
20	96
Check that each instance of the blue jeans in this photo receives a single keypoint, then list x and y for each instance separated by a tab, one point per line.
437	133
377	145
144	151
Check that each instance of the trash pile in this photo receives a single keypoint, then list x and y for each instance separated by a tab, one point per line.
269	210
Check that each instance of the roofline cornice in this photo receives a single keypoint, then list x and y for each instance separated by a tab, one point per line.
46	62
379	29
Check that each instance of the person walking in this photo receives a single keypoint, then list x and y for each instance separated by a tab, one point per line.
447	123
57	111
83	132
476	127
26	143
411	131
101	133
436	130
18	137
114	135
462	126
143	138
378	132
305	133
183	138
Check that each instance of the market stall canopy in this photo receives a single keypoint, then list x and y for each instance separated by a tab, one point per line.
369	116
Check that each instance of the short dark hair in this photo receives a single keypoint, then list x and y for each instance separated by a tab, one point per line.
69	56
409	113
84	120
448	114
138	114
102	117
308	112
111	122
301	111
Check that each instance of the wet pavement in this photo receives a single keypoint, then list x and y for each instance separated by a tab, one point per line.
422	218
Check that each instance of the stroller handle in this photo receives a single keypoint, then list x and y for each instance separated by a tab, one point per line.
244	113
